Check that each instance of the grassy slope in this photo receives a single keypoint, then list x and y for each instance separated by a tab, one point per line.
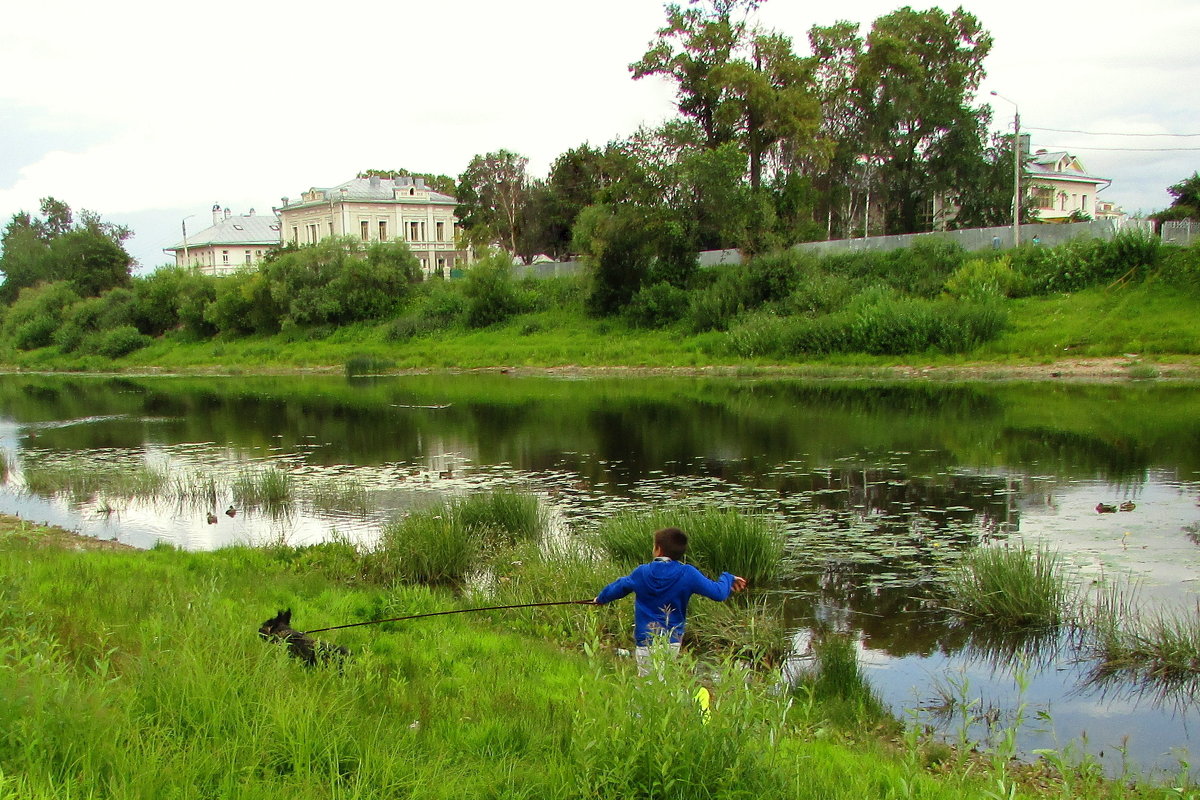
1146	319
139	674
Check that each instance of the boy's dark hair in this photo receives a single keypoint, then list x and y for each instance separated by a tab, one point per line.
672	542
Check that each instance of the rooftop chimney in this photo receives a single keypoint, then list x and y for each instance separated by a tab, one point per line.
252	212
216	213
227	213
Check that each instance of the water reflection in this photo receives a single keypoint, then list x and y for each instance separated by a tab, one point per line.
880	487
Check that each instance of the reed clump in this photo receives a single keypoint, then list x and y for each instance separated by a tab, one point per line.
719	540
339	494
87	481
1160	645
271	489
446	542
500	517
1012	586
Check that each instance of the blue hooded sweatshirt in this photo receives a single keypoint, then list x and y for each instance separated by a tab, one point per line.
662	589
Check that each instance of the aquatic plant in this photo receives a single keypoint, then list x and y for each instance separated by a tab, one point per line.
367	365
837	683
1012	586
1158	646
272	489
85	481
754	632
719	540
339	494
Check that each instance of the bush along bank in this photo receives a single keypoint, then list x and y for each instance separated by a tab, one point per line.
342	301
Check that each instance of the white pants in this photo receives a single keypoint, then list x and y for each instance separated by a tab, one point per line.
660	652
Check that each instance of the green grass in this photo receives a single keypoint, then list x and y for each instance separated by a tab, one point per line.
130	674
719	540
1012	586
500	517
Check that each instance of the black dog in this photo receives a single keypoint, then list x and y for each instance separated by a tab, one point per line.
305	648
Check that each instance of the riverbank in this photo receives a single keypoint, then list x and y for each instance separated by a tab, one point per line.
126	665
1124	368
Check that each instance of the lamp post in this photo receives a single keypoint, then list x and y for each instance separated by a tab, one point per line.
183	224
1016	169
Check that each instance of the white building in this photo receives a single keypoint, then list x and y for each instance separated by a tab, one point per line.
1061	188
229	244
378	210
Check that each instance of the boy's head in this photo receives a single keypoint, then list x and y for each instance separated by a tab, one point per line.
670	542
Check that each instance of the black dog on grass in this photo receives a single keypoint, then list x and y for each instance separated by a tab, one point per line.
307	649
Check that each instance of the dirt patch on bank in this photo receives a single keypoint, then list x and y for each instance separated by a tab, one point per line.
15	529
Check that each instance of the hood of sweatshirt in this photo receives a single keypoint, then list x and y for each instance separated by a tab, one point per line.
661	577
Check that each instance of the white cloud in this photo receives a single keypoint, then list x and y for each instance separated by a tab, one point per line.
136	107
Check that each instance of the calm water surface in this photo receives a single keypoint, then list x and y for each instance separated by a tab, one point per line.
880	486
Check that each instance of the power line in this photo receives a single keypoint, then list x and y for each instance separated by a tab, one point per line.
1094	133
1127	149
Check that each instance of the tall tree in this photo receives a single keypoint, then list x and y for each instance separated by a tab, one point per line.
492	193
89	254
914	80
1186	202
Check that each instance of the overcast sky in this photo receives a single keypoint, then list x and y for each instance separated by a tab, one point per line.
149	112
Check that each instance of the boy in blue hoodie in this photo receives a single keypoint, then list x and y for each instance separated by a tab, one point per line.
661	590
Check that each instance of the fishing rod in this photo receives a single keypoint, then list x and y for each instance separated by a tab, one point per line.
455	611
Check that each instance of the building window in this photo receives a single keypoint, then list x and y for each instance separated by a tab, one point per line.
331	228
364	229
382	231
441	231
413	230
1083	202
312	234
295	235
441	262
1044	197
224	256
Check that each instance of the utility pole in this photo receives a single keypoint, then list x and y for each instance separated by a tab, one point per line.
1016	169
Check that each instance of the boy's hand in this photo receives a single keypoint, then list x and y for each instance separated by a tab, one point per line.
739	583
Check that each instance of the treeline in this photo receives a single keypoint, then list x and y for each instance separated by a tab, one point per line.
772	146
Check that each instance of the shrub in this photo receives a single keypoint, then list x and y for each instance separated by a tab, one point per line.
774	276
986	279
1180	266
491	294
36	314
120	341
657	305
714	307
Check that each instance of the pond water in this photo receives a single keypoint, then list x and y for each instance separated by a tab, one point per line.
880	486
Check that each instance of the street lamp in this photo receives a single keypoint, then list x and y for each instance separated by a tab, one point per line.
183	224
1016	169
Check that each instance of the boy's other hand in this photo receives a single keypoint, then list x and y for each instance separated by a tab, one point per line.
739	583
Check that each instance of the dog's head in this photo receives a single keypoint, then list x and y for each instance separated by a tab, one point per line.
278	626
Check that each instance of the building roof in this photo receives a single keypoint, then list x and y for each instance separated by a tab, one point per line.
240	230
1060	166
404	189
